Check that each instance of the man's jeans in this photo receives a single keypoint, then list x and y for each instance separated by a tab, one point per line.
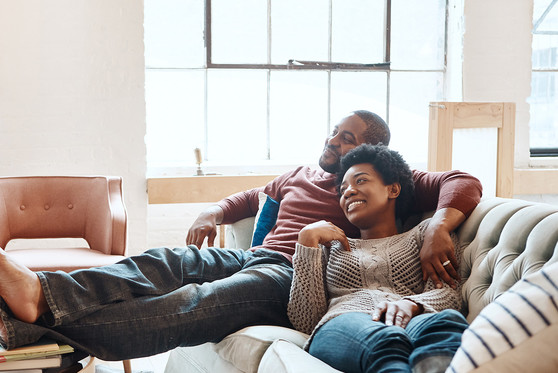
159	300
353	342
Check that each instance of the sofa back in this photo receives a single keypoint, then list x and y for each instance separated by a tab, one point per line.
507	239
89	207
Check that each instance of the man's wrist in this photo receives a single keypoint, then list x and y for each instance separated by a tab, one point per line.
447	219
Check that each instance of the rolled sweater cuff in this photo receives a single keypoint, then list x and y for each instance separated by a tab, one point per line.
308	254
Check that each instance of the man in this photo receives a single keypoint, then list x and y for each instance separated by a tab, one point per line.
166	298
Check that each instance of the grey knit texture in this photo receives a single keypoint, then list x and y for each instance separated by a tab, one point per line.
328	283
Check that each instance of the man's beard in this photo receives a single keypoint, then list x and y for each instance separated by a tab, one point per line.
329	167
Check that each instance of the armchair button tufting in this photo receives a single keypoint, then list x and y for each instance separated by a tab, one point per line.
22	207
47	207
70	206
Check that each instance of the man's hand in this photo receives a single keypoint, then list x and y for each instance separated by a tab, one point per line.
205	226
397	313
322	232
437	255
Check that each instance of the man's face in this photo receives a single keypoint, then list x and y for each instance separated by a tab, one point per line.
349	133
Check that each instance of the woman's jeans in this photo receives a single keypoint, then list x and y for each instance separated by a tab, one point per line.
159	300
353	342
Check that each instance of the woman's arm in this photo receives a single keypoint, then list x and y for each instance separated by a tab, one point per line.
309	298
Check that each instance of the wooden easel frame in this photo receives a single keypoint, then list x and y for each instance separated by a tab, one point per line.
447	116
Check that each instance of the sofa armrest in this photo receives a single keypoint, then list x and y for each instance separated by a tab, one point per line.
239	234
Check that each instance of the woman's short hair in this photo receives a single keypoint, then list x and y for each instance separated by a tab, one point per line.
392	168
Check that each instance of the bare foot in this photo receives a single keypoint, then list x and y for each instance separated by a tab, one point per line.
21	290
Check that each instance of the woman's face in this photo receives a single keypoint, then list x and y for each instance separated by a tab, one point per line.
365	199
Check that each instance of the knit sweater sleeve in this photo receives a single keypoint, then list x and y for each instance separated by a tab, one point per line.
308	299
433	299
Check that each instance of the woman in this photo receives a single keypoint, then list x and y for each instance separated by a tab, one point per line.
363	300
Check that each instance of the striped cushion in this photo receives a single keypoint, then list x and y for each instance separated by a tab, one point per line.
514	327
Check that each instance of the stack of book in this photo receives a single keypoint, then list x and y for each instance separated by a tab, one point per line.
41	357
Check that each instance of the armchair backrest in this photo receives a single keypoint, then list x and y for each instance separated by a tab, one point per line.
88	207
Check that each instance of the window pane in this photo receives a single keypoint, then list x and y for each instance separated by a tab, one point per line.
299	30
544	116
410	94
358	31
239	31
550	20
417	36
539	7
545	51
352	91
545	47
236	115
175	118
298	115
174	33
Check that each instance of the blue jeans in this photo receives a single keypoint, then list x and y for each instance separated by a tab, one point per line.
159	300
353	342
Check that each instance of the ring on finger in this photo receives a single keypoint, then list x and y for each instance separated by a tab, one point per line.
446	263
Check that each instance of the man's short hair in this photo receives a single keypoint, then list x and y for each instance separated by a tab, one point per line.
377	130
392	168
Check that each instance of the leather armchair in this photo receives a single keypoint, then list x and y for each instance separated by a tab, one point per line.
86	207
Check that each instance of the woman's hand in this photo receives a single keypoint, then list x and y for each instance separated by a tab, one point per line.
322	232
397	313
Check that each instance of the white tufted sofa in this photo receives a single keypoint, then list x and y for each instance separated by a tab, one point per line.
507	240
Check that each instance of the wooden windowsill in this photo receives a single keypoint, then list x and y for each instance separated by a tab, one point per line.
201	189
212	188
535	181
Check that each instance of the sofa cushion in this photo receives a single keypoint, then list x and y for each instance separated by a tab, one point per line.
265	218
198	359
285	357
245	348
519	325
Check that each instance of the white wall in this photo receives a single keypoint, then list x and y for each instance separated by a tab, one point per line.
497	60
497	67
72	94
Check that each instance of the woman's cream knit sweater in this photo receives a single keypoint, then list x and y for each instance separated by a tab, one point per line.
327	283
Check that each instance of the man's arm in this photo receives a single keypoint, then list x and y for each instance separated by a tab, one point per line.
453	195
228	210
438	248
204	226
234	208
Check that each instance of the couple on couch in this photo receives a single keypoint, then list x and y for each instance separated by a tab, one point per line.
167	298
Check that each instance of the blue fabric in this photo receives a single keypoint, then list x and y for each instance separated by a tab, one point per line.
160	300
266	220
353	342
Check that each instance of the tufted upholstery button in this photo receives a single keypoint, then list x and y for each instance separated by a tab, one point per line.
47	207
22	207
70	206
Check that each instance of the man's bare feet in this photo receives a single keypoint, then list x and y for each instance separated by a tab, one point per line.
21	290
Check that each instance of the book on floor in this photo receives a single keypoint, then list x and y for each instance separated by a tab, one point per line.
62	349
40	363
42	345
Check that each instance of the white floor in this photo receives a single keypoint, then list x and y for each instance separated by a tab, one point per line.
155	364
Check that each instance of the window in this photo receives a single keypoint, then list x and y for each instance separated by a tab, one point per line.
544	81
264	81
